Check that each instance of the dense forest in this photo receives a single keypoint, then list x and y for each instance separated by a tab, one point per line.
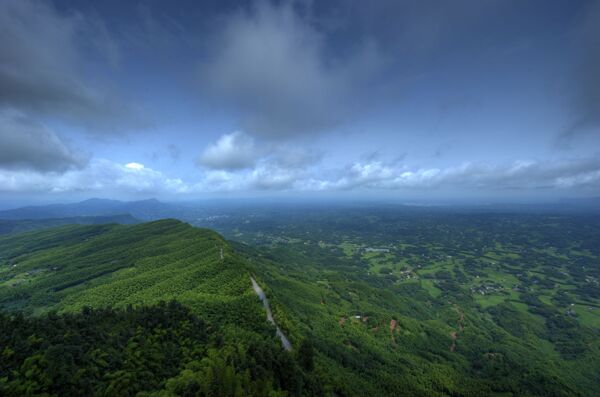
163	350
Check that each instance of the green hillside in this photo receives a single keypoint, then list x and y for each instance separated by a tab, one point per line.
375	339
432	302
96	322
71	267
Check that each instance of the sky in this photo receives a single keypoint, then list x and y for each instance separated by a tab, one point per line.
406	100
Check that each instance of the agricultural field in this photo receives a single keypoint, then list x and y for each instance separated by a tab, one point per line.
459	285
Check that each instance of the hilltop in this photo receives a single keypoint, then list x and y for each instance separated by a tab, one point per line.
112	265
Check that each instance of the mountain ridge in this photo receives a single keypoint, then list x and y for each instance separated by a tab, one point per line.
8	226
74	266
149	209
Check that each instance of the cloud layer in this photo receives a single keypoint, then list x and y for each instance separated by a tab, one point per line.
231	152
239	151
99	175
43	57
517	175
270	64
377	176
587	82
27	144
481	84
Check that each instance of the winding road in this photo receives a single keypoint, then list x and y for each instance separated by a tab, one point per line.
261	294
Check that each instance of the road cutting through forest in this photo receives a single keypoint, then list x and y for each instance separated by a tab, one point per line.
261	294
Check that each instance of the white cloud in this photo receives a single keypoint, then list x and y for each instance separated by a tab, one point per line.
270	177
134	166
583	174
131	178
239	151
517	175
99	176
231	152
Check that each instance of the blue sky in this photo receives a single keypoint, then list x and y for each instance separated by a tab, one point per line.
394	99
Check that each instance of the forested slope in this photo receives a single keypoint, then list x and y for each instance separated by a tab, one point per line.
112	265
84	314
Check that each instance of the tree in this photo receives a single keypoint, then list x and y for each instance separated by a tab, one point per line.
306	355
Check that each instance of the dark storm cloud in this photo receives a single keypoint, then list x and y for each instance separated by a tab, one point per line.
587	81
42	54
26	144
292	68
271	64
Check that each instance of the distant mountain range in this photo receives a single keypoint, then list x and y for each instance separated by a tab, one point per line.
152	209
23	225
144	209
